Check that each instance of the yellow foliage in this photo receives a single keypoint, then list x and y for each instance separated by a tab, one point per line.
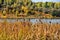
4	16
14	5
48	16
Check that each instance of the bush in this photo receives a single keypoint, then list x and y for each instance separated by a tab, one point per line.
40	10
46	12
56	13
31	13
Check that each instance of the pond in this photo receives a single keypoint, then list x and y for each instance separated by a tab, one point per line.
33	20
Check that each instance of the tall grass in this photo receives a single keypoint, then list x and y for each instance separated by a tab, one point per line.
29	31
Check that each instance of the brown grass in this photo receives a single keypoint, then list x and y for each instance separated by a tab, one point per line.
28	31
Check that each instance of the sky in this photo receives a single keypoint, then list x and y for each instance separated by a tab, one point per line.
45	0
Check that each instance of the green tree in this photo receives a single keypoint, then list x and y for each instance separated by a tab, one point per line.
41	4
56	13
46	5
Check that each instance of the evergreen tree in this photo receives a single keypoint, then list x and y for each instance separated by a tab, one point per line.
53	4
46	5
2	1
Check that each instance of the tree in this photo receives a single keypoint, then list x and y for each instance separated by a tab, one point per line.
53	4
0	6
2	1
12	2
46	5
21	3
40	4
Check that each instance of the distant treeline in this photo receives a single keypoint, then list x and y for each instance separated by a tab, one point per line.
30	3
28	8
